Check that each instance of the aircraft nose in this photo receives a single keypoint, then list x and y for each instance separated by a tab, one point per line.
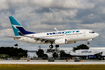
97	34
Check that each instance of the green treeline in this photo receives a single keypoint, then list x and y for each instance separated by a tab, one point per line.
63	55
12	52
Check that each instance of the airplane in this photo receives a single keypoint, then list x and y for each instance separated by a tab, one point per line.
55	37
89	54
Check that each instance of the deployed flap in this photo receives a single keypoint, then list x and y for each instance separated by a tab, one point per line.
41	38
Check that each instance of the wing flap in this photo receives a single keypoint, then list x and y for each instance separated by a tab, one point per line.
41	38
100	53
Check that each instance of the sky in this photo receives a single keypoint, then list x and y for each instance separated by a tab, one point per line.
44	15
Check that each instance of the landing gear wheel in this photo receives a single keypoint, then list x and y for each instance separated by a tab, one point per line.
56	46
51	46
88	43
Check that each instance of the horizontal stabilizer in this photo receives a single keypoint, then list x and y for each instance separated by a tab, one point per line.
13	36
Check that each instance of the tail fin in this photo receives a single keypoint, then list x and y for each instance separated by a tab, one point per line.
17	27
14	23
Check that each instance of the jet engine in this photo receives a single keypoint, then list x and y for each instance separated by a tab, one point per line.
91	57
60	41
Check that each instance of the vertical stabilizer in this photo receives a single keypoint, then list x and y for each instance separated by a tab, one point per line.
18	28
14	23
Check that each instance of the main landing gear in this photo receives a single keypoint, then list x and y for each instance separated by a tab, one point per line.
53	50
51	46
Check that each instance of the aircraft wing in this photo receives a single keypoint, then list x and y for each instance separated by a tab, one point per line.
42	39
100	53
14	36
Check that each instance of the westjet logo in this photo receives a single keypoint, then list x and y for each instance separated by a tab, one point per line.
14	26
53	33
66	32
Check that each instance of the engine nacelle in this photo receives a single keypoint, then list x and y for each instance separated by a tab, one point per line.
61	41
91	57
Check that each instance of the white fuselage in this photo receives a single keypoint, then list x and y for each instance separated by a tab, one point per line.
71	36
85	52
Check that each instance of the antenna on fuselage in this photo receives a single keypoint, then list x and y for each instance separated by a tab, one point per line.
56	29
57	32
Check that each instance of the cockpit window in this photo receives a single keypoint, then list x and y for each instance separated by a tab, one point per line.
92	32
